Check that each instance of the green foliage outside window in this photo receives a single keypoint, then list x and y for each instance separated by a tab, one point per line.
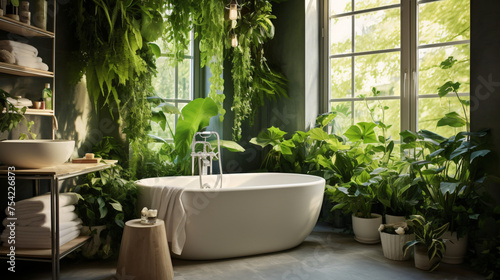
439	22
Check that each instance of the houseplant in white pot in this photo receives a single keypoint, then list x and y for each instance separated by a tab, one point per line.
393	237
429	245
357	197
451	179
399	197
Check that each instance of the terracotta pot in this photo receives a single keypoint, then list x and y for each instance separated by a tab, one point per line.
366	229
455	248
392	245
421	259
390	219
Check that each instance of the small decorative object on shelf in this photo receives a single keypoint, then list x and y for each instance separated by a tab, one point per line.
42	104
47	96
24	12
40	16
148	216
37	105
11	10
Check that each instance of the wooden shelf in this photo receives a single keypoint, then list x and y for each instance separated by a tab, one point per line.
14	69
39	112
23	29
46	253
36	112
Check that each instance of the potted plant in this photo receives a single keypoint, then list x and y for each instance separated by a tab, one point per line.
450	178
357	197
393	237
429	245
399	197
106	201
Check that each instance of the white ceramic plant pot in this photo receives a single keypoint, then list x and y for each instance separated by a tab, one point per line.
90	248
366	229
421	259
392	245
390	219
455	248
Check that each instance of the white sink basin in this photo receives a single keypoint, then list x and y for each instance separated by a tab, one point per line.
35	153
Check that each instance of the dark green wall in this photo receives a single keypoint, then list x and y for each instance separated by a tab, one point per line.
295	52
485	79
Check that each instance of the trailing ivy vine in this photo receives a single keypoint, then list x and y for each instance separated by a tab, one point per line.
253	79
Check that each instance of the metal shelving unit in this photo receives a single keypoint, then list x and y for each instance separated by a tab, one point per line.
55	175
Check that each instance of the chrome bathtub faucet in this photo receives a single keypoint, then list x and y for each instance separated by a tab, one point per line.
206	157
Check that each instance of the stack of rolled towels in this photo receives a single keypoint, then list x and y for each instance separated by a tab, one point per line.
22	54
33	222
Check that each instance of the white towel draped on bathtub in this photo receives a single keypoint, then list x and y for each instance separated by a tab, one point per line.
167	200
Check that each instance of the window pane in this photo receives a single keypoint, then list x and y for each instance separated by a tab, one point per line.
431	76
184	79
378	30
444	21
340	77
390	116
164	82
340	6
380	71
368	4
340	35
430	110
343	120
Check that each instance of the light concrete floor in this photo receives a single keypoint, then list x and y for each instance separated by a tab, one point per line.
325	254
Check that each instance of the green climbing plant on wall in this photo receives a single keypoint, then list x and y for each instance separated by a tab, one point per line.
117	58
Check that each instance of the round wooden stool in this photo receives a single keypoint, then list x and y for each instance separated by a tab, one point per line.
144	252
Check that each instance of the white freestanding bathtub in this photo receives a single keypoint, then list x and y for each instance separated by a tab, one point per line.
252	213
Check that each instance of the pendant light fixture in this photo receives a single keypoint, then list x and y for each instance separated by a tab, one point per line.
233	16
233	10
234	40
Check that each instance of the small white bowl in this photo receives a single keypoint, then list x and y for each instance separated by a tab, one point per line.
35	153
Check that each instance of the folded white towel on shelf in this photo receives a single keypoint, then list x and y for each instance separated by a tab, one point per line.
167	200
24	54
20	102
32	64
41	243
11	46
40	220
41	203
23	234
46	227
27	212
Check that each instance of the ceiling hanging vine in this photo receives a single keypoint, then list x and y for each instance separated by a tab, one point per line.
253	79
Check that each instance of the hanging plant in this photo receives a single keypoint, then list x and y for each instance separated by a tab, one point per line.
252	78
